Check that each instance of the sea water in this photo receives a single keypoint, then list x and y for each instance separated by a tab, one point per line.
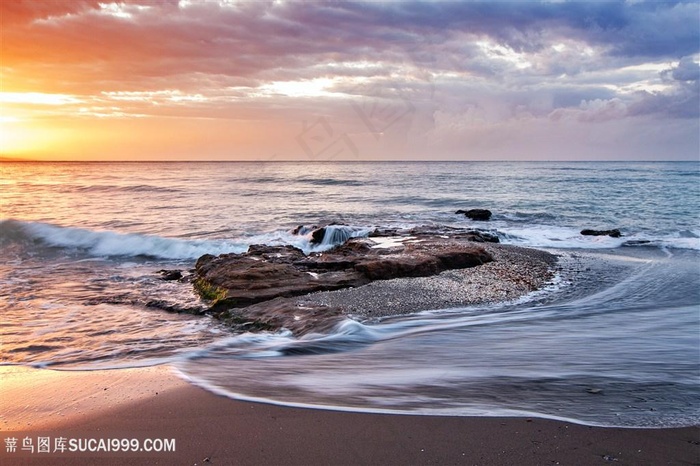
614	342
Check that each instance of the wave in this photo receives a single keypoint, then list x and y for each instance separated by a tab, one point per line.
110	243
141	188
257	180
549	236
115	244
330	182
519	216
97	188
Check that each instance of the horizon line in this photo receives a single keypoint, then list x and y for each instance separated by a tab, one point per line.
26	160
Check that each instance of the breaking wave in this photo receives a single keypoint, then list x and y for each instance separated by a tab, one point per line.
115	244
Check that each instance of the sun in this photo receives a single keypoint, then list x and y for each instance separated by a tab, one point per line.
24	137
14	136
28	123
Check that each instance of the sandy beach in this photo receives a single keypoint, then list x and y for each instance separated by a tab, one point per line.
153	404
50	417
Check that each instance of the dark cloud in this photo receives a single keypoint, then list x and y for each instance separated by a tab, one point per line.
687	70
254	36
683	102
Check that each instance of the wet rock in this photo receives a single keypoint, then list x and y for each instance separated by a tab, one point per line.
280	312
260	279
333	234
318	235
170	275
384	232
480	237
303	230
176	307
615	233
476	214
476	236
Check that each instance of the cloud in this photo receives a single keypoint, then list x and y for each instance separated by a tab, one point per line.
164	38
687	70
597	110
681	100
461	65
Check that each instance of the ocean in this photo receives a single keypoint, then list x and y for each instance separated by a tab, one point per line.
613	342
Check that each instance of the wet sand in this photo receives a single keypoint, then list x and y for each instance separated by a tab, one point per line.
154	403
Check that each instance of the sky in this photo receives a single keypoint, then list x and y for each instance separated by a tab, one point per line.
282	80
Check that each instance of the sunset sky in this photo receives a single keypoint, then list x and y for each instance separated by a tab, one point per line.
227	79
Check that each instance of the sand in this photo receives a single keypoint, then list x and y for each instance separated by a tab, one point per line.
154	403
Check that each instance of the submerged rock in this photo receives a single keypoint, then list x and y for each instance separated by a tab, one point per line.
615	233
303	230
170	275
476	214
250	288
636	242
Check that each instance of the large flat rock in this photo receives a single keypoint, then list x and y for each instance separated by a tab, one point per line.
249	289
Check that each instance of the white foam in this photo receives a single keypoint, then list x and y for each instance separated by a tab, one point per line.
390	242
545	236
109	243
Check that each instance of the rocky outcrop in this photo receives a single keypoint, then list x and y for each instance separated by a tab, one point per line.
476	214
612	233
250	289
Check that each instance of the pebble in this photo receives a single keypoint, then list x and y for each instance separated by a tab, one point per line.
515	272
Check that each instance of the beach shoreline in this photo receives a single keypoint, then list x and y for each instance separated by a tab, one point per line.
158	403
155	404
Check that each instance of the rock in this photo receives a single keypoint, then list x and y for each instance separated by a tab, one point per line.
267	274
613	233
170	275
318	235
245	279
476	214
302	230
636	242
383	232
281	312
333	234
175	307
477	236
481	237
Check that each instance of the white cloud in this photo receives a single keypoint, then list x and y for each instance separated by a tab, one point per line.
597	110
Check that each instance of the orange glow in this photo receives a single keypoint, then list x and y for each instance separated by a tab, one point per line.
26	128
23	138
